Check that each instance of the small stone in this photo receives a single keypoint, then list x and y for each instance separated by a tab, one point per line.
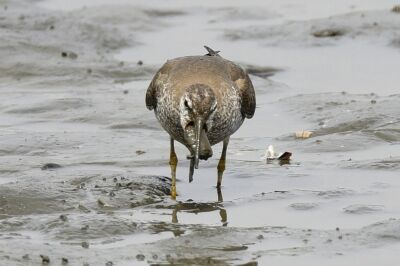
155	257
112	194
259	237
104	179
85	244
126	91
86	264
115	179
121	64
373	101
340	237
140	152
140	62
109	263
45	259
64	261
396	9
63	217
304	134
337	229
51	27
71	55
140	257
26	257
89	71
49	166
328	33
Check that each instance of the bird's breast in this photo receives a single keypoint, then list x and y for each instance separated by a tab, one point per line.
225	120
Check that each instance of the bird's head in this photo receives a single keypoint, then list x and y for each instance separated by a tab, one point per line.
197	107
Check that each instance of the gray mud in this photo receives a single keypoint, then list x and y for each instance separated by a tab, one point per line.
379	25
84	175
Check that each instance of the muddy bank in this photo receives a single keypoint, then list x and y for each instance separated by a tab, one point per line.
376	26
364	121
65	48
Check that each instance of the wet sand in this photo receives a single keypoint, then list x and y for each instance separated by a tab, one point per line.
84	171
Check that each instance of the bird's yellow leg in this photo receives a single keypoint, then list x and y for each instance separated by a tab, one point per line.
221	164
173	162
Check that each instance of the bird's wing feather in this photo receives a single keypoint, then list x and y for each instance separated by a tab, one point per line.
243	82
159	80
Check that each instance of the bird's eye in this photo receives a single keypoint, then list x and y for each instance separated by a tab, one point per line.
186	104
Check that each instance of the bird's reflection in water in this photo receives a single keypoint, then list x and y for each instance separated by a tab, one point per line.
202	207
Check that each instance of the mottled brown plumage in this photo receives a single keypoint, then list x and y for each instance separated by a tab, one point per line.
201	101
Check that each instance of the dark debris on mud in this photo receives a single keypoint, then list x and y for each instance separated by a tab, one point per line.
326	33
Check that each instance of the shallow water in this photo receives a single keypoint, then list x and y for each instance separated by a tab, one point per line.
84	165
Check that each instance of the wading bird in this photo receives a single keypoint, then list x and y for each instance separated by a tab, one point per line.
200	101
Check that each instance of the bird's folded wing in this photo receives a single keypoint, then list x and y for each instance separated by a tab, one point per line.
159	80
243	82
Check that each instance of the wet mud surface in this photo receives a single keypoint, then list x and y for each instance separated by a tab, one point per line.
84	174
